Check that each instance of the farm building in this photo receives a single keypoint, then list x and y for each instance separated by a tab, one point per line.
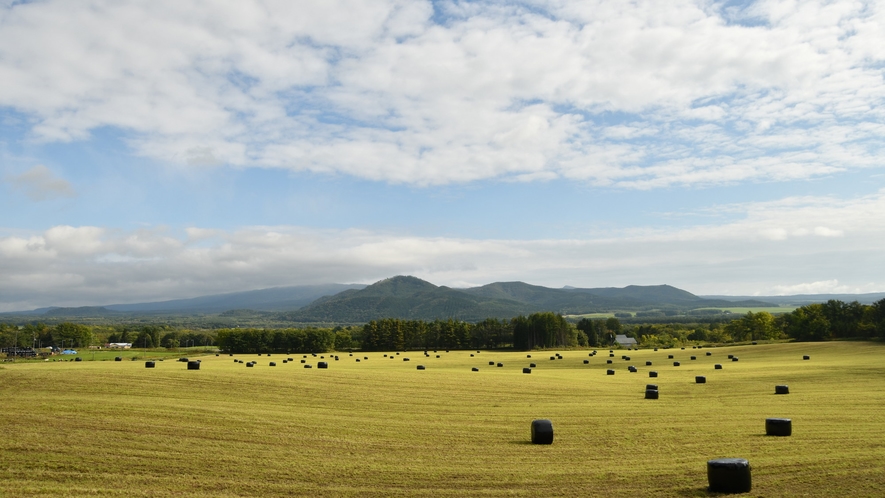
623	340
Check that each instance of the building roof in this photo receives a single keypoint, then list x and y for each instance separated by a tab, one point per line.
623	340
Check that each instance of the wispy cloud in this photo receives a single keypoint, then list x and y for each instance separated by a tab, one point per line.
40	183
638	95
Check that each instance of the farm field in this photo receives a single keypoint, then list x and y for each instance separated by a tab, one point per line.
380	427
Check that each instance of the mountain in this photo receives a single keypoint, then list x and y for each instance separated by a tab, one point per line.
415	299
273	299
408	298
803	299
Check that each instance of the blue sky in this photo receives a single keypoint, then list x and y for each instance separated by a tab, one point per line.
160	150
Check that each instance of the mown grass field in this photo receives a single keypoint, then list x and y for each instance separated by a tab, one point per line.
382	428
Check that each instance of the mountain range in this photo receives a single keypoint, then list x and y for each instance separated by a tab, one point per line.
412	298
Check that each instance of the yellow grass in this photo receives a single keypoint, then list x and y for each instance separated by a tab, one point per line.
382	428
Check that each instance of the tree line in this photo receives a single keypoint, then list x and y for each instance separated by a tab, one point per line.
813	322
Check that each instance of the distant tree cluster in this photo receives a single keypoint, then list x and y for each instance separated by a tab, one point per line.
243	341
393	334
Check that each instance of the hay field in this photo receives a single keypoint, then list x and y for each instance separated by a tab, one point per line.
380	427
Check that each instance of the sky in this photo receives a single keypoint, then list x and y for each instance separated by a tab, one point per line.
171	149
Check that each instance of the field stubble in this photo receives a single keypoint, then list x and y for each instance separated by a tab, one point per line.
382	428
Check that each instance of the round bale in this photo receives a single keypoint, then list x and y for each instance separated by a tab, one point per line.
648	363
119	358
474	369
193	365
700	379
651	394
499	365
308	366
272	364
532	365
675	363
420	367
149	364
652	374
542	431
778	427
322	364
806	357
586	362
608	362
729	475
609	372
782	389
526	370
734	359
717	366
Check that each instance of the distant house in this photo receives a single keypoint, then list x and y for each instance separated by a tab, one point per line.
119	345
625	341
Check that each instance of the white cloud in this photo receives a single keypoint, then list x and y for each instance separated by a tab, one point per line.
40	183
763	250
637	95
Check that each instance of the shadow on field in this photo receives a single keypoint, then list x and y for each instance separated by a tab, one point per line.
522	441
703	491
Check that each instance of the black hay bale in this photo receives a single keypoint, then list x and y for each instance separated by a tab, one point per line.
183	360
272	364
552	357
675	363
499	365
694	357
632	369
322	364
586	362
357	360
653	387
542	431
420	367
609	372
608	362
259	354
305	361
404	359
149	364
778	427
193	365
700	379
308	366
709	353
119	358
532	365
730	356
754	343
384	356
729	475
250	365
781	389
216	354
526	370
365	357
235	360
285	361
806	357
648	363
336	358
471	355
611	355
528	356
474	369
492	363
734	359
651	394
290	359
717	366
669	356
652	374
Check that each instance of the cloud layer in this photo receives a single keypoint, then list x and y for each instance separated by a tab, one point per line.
634	95
789	246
